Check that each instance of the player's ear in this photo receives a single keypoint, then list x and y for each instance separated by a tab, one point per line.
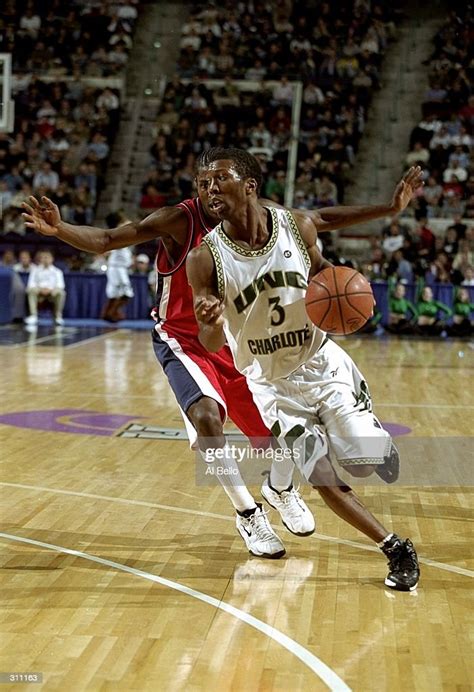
251	185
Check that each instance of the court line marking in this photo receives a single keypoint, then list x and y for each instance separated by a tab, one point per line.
88	340
55	336
323	671
141	503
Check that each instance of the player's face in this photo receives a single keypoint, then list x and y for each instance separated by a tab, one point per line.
223	188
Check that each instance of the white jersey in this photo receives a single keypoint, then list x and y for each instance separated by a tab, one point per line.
122	258
266	325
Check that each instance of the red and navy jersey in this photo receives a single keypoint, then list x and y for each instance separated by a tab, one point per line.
174	298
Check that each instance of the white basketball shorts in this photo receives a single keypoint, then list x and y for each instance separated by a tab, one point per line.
323	407
118	283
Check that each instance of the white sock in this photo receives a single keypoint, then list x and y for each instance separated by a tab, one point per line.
233	483
281	474
385	540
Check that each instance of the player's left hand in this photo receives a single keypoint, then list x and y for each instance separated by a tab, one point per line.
209	311
406	188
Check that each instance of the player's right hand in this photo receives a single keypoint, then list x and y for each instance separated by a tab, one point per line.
209	311
43	218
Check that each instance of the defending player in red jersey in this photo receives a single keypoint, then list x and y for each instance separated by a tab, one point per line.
206	385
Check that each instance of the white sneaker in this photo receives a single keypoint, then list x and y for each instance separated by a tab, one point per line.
31	320
58	321
295	513
259	537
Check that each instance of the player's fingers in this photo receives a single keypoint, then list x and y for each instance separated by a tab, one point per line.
48	203
27	208
27	217
34	202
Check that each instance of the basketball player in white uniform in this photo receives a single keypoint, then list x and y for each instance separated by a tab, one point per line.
249	279
119	287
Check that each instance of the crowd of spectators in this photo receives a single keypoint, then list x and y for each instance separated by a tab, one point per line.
269	45
64	127
86	38
408	254
442	142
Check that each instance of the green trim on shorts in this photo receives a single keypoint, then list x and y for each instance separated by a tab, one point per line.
361	461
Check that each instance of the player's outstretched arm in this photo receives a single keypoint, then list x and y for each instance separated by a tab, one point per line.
332	218
208	307
309	235
44	217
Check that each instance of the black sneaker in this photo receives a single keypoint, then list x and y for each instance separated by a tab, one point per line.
390	470
404	570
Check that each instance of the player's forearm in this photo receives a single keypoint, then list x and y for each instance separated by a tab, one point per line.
332	218
87	238
212	338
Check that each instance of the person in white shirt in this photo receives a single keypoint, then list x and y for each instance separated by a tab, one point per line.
45	282
119	288
46	177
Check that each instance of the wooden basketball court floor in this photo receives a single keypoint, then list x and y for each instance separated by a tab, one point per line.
120	573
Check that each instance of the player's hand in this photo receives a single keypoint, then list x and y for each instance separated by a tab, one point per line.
209	311
42	217
406	188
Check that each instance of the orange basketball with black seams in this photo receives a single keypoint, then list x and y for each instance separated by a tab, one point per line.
339	300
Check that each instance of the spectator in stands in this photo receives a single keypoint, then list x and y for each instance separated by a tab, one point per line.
455	169
450	246
394	239
452	205
6	197
427	310
401	311
152	198
25	263
108	100
98	147
400	268
46	177
468	279
462	319
8	258
45	283
282	93
141	264
419	154
424	240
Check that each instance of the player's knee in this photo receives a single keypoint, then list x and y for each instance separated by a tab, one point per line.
323	474
206	418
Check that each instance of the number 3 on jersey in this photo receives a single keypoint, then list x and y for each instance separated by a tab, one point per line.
279	317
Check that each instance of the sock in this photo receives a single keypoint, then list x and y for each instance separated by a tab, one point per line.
248	512
387	539
233	483
281	474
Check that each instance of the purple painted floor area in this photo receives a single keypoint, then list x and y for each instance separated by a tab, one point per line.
69	420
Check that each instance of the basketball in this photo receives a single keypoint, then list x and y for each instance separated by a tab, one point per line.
339	300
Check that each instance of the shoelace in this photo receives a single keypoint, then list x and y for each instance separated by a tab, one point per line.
408	559
261	525
291	501
404	558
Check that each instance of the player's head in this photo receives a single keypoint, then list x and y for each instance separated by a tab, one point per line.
227	177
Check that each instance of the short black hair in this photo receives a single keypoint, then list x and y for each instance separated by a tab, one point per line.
245	163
